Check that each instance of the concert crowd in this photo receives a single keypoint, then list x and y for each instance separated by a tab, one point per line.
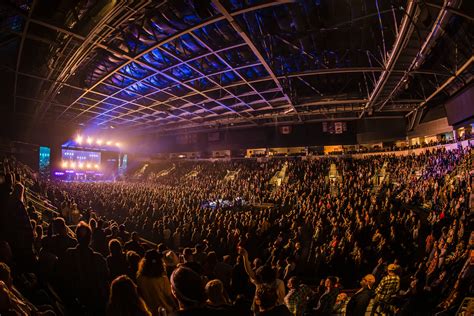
387	235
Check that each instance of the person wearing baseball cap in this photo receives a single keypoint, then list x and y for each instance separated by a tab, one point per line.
387	287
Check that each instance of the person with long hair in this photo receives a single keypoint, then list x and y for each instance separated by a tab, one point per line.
124	299
153	283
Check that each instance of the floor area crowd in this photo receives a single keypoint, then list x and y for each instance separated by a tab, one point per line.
156	246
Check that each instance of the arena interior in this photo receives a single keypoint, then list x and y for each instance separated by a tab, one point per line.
236	157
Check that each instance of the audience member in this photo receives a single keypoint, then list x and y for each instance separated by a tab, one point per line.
153	283
358	303
124	299
83	274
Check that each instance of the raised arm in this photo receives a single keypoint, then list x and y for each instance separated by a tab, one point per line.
247	266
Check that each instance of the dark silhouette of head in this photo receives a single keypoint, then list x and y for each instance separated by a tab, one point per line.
83	234
265	297
187	287
115	247
151	265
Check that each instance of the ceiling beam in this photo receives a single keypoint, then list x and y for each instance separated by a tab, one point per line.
455	11
254	49
320	107
222	60
316	72
418	60
82	51
465	66
50	102
20	53
226	125
406	29
173	37
183	62
329	101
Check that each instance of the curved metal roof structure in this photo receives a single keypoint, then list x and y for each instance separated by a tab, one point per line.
146	65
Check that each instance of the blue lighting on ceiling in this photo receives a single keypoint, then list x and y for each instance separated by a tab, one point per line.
136	71
254	72
159	59
295	51
140	88
184	46
208	65
159	81
179	90
161	26
119	80
127	95
191	19
134	44
183	72
202	84
228	77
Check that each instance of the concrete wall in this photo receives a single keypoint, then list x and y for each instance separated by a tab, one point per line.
380	130
255	137
434	127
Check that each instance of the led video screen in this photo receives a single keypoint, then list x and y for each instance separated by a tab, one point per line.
81	156
44	160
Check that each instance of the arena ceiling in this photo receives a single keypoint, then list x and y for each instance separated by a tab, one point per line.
148	66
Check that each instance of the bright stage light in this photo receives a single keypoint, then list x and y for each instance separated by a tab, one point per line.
117	144
73	165
96	166
99	142
108	143
88	166
90	140
64	164
80	165
79	139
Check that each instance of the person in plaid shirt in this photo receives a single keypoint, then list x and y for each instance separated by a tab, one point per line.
389	284
297	297
387	287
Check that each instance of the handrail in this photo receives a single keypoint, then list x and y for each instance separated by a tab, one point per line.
41	199
146	241
42	203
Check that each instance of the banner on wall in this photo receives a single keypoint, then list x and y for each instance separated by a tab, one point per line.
285	130
334	127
